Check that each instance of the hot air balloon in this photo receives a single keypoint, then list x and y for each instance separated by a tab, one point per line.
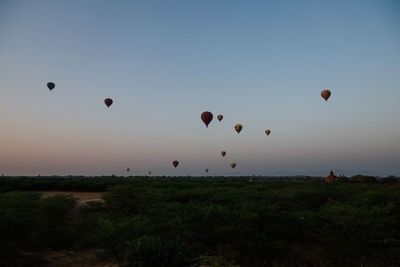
267	132
206	117
108	102
128	169
233	165
149	172
220	117
251	180
223	153
206	170
238	128
175	163
326	94
51	85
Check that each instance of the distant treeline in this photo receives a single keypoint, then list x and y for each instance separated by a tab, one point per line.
102	183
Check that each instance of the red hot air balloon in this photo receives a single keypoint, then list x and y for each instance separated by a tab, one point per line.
175	163
206	170
108	102
223	153
206	117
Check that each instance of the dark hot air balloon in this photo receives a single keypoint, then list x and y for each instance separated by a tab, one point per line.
233	165
326	94
149	172
206	170
267	132
206	117
128	169
220	117
175	163
51	85
223	153
108	102
238	128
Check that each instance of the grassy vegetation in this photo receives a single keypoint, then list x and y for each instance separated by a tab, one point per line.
214	221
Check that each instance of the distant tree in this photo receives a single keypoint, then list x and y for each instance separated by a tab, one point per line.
363	178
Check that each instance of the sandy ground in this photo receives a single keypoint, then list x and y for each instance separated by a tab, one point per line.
83	197
75	258
64	258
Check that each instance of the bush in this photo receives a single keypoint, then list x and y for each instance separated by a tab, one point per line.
18	214
159	222
29	222
54	226
149	251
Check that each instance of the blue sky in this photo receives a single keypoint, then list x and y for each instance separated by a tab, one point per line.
259	63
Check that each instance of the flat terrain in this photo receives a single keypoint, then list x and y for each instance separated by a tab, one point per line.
82	197
201	221
63	258
67	258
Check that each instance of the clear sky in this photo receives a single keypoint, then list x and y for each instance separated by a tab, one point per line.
259	63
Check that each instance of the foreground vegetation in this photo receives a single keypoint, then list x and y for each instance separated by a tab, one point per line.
211	221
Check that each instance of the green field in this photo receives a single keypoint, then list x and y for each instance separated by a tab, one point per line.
203	221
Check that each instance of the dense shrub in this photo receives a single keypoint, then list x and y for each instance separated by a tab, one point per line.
18	214
53	225
29	222
149	251
182	222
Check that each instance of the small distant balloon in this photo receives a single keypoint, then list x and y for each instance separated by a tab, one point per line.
223	153
206	170
108	102
128	169
206	117
233	165
51	85
175	163
326	94
267	132
220	117
149	172
238	128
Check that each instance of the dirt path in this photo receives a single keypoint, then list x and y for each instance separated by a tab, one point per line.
83	197
74	258
64	258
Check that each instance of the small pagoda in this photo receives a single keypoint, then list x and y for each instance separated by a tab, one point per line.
331	178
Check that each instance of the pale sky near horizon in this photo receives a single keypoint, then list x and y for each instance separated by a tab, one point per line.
259	63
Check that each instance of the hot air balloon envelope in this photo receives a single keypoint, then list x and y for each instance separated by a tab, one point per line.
51	85
233	165
326	94
220	117
108	102
238	128
223	153
206	117
267	132
175	163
